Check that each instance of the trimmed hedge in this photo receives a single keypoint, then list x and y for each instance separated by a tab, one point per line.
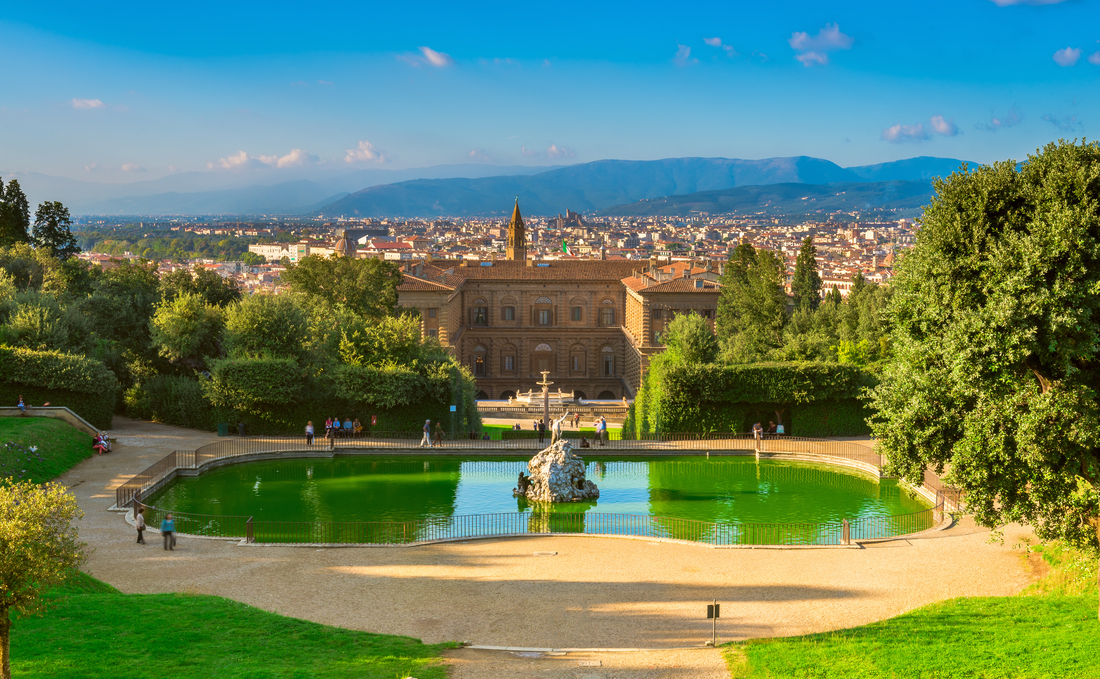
84	385
187	402
810	399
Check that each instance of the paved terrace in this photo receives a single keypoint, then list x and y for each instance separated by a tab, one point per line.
591	593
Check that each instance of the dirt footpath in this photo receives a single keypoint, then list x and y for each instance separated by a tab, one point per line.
555	592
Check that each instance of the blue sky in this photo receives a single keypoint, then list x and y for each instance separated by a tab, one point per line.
134	91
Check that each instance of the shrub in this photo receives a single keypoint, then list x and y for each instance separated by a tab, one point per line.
82	384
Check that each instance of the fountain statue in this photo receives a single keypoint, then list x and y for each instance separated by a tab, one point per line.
557	474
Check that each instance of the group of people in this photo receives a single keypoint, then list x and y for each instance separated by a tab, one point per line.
437	440
167	529
773	429
600	425
101	444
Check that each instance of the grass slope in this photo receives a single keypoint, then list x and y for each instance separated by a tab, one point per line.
60	447
91	630
1049	631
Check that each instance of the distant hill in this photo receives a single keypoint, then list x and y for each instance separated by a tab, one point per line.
602	184
906	198
910	169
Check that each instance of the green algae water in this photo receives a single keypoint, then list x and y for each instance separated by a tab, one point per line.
435	490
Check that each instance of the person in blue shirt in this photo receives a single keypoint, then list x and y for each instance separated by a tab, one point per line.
168	530
22	406
347	428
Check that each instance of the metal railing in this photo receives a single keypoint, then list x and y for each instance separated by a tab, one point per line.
537	522
544	523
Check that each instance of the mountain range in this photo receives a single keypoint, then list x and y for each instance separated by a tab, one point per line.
485	190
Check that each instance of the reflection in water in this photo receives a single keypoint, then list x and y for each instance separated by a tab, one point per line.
430	491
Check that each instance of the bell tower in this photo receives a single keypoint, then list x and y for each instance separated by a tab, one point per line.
517	236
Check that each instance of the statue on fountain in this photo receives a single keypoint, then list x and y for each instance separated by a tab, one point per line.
557	474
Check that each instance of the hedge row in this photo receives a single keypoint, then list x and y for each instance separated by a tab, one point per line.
810	399
201	403
84	385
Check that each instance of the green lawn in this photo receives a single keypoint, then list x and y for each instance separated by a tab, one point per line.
1049	631
92	630
58	448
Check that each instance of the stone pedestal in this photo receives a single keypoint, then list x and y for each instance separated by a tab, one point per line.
557	474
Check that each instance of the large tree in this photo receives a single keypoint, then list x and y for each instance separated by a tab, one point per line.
210	285
38	548
996	331
806	286
366	286
752	307
53	230
15	214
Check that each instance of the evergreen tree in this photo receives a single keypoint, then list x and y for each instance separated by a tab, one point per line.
52	230
15	214
806	285
752	308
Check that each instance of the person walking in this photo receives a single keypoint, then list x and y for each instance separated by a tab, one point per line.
309	433
139	523
168	530
439	434
542	430
426	440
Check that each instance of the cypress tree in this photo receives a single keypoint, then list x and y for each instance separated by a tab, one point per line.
806	285
15	214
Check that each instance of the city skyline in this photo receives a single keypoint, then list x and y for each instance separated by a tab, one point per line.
130	94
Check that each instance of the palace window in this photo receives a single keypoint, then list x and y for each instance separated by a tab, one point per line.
479	315
608	361
543	316
607	316
508	313
509	363
576	313
479	366
431	313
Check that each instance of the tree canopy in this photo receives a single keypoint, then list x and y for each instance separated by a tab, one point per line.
996	330
806	285
366	286
53	230
38	548
15	214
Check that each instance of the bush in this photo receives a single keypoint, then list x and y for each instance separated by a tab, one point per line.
174	400
83	385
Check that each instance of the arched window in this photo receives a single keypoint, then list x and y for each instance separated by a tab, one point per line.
607	313
578	364
543	347
508	360
508	309
479	312
480	369
544	300
542	358
543	312
607	360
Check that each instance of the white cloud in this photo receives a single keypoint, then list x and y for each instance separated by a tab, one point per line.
555	151
898	134
717	42
1094	58
1013	118
88	103
530	153
813	49
1067	56
242	160
131	167
366	152
437	59
683	56
1009	3
940	125
92	167
1064	123
478	154
812	58
827	39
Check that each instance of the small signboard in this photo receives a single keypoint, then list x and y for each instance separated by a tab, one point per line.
714	611
454	409
373	420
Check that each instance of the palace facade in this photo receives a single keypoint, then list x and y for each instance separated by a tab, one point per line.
593	324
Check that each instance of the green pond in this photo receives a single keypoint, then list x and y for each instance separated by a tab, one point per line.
286	495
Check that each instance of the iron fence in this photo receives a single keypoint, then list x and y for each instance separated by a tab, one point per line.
544	523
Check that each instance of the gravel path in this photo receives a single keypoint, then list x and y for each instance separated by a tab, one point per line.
593	593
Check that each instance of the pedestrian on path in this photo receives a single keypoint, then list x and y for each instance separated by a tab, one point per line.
168	530
542	430
309	433
426	440
139	521
439	434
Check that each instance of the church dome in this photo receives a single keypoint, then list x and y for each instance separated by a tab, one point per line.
344	246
